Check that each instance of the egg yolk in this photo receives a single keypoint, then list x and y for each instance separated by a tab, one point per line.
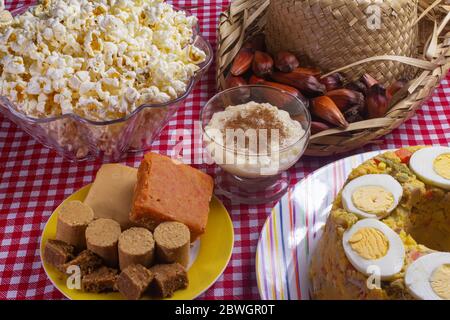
373	199
369	243
441	165
440	281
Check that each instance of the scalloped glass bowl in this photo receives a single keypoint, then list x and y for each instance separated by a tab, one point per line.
76	138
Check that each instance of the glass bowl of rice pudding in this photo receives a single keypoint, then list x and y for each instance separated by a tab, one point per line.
254	134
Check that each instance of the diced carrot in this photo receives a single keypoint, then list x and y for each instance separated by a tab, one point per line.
404	155
429	194
415	255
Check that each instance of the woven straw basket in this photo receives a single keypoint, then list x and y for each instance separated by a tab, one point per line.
333	33
413	42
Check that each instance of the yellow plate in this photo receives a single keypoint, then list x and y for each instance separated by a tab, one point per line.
216	246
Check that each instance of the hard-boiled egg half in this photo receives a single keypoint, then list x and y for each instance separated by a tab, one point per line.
432	165
428	277
370	246
372	195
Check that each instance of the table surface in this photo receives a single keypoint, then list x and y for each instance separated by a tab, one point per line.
34	181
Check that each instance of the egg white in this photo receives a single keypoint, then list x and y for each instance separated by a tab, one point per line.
382	180
418	275
390	264
421	163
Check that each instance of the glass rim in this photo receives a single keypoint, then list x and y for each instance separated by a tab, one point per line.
306	134
190	86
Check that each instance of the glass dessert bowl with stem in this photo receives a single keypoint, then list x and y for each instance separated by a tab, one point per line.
254	134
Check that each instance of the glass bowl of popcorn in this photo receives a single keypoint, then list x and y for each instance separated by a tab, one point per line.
98	79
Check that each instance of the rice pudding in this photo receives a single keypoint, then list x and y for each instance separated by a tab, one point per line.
254	140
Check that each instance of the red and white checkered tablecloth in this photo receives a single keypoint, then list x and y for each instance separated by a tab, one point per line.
34	180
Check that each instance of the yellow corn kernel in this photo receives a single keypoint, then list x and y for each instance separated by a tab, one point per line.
382	166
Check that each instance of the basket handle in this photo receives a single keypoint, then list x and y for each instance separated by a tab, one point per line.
423	64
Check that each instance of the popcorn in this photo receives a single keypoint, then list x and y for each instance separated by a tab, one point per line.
34	86
100	59
132	95
153	94
41	102
13	65
5	17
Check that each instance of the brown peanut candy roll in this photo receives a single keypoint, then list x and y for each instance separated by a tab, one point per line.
73	218
102	237
136	246
172	243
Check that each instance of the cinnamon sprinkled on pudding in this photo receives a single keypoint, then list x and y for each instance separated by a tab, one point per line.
253	117
262	117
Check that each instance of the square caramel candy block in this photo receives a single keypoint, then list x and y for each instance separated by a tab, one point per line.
57	253
111	193
133	281
103	279
167	190
87	261
168	278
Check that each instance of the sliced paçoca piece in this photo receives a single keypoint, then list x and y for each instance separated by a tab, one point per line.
103	279
136	246
133	281
111	193
87	261
102	237
73	218
168	278
57	253
172	243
